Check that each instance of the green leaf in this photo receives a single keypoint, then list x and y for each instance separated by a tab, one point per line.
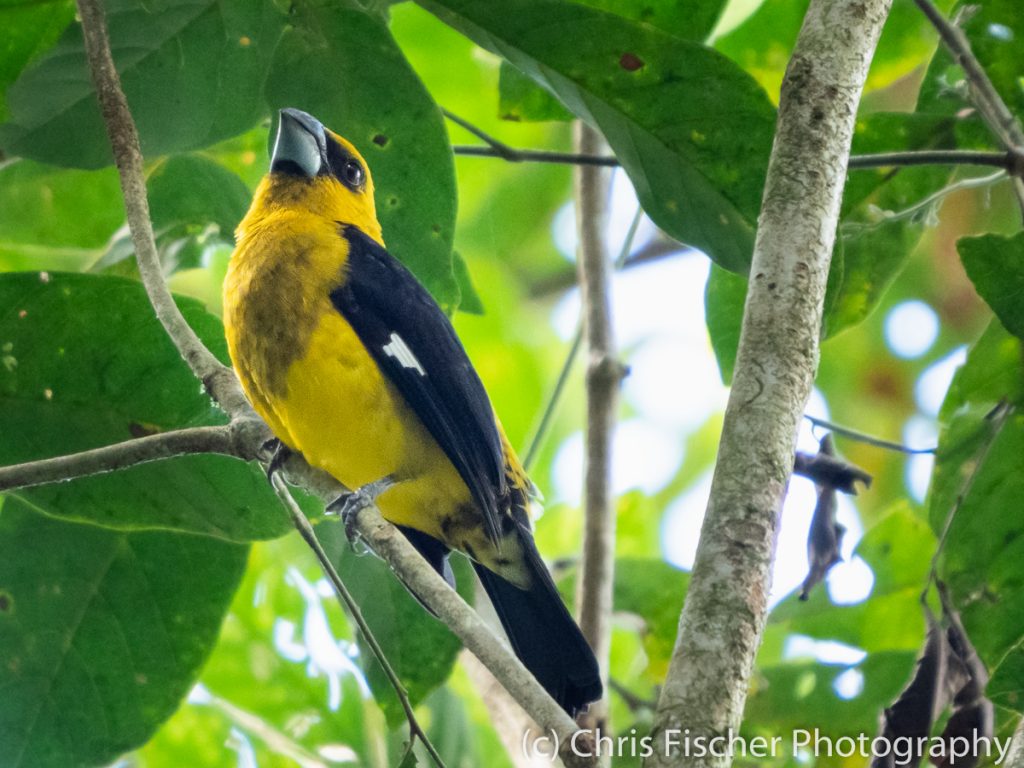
29	29
84	364
653	590
687	19
801	695
995	265
469	300
1006	687
365	90
54	218
192	71
984	547
522	100
660	102
868	259
724	296
102	633
898	549
194	203
420	649
193	190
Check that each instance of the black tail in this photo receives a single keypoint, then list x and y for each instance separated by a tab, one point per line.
544	635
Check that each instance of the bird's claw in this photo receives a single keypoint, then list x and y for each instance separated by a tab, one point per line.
348	505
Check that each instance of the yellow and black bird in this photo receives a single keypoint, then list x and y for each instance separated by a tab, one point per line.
352	363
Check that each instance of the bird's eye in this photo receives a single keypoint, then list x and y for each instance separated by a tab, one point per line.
353	174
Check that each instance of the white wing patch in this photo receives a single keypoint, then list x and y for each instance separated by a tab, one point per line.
398	350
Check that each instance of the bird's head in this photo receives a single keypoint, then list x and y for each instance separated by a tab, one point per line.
316	171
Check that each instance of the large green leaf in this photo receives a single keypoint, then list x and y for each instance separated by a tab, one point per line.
688	19
102	633
29	29
85	364
345	68
420	648
522	99
194	203
192	71
654	591
984	547
55	218
660	101
995	265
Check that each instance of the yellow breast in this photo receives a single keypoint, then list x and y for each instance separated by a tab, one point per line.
309	376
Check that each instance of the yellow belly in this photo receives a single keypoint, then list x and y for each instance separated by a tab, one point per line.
342	414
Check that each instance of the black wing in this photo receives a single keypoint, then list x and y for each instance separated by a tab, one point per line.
415	346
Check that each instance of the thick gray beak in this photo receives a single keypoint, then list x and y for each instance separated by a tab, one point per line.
300	145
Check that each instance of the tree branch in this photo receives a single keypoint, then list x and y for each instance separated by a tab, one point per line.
1011	161
727	600
229	440
1008	161
218	379
604	374
389	543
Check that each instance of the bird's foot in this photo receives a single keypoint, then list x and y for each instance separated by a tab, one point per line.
279	455
348	505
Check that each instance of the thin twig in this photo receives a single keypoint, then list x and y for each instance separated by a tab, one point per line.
861	437
1010	161
631	700
535	156
604	376
218	379
278	741
305	530
1004	160
995	421
553	399
570	358
130	453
